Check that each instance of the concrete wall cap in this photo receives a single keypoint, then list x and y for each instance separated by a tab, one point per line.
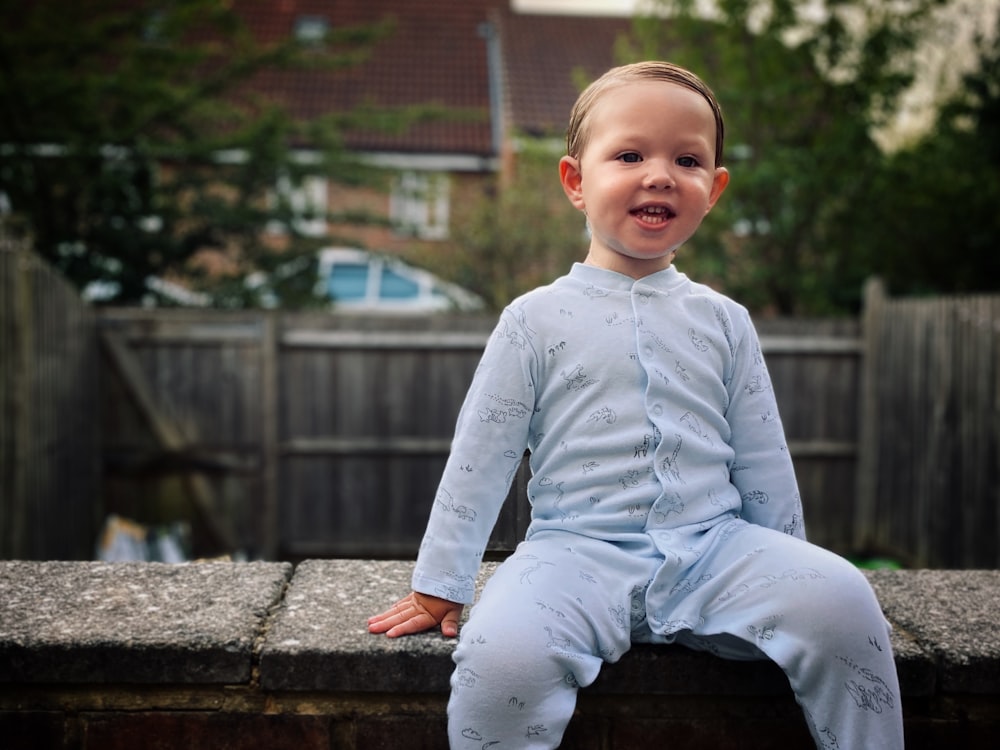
93	622
305	629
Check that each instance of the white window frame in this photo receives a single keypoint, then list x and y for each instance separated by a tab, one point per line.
310	197
420	204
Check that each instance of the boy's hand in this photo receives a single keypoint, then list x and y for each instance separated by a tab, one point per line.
416	613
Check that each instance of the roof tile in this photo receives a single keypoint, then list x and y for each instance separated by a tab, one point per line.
437	55
545	57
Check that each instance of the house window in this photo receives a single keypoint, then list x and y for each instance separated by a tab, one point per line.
308	202
420	206
311	30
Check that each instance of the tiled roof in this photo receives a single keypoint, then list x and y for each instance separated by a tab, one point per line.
438	55
545	56
435	55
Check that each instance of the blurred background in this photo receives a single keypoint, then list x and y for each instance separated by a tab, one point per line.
250	252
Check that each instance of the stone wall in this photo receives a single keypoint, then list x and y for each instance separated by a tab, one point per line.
264	655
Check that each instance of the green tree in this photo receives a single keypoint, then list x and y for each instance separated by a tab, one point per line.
118	123
931	223
802	96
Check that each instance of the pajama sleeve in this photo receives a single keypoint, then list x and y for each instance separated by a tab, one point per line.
762	468
490	439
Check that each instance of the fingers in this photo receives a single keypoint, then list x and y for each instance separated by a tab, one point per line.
449	625
401	612
416	613
417	624
448	614
404	617
442	611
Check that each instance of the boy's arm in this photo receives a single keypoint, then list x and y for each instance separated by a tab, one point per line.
491	435
490	438
415	613
762	468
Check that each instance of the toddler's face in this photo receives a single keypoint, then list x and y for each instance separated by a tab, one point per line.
647	175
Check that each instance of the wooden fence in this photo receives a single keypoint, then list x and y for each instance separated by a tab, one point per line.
929	469
298	435
49	446
320	435
286	435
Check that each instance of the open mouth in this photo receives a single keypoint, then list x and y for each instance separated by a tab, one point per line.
653	214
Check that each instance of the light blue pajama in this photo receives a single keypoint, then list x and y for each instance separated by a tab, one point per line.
664	509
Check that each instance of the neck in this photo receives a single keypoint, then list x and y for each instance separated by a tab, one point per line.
632	267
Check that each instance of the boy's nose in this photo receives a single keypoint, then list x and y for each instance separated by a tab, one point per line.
657	176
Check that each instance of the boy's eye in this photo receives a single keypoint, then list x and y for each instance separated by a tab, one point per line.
630	157
687	161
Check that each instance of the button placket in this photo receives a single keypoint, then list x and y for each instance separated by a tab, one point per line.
647	350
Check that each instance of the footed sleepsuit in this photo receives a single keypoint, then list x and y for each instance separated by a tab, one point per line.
664	509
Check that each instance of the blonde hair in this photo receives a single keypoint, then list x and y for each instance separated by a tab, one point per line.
578	133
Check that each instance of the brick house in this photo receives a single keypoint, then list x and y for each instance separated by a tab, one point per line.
511	75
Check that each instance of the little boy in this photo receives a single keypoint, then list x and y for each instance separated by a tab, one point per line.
664	503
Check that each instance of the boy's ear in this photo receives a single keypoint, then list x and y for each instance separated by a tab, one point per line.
719	183
572	181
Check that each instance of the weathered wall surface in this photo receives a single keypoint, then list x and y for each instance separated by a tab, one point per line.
264	655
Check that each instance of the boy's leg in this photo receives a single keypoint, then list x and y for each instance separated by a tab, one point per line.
546	621
815	615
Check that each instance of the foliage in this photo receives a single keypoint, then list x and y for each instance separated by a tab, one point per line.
931	222
520	235
802	97
119	120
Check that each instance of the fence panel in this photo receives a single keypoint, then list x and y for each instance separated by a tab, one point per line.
49	446
290	435
316	435
929	489
366	424
355	426
185	416
815	367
